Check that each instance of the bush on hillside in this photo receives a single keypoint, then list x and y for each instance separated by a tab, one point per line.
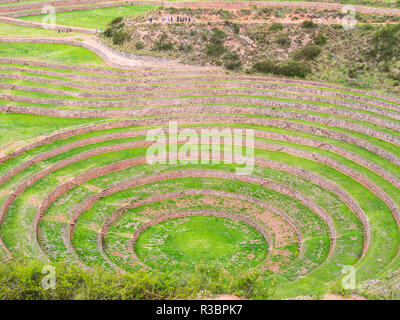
293	69
232	61
266	66
225	15
276	26
109	32
320	39
120	37
352	74
235	28
23	281
308	24
116	20
308	52
139	45
215	46
385	43
283	39
163	43
288	68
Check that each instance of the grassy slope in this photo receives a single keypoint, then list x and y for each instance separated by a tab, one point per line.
19	129
193	240
58	53
8	30
93	19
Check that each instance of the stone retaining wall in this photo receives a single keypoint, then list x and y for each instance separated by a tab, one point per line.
335	122
257	101
117	166
312	94
181	74
336	135
113	167
137	71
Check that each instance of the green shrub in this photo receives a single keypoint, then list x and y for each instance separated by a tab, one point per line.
218	36
320	39
215	50
215	46
266	66
185	47
288	68
308	52
139	45
385	43
395	76
308	24
245	12
225	15
120	37
235	28
232	61
293	69
352	73
162	44
22	281
116	20
266	11
283	39
276	26
337	26
109	32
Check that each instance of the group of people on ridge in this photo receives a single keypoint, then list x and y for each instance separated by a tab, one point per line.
171	19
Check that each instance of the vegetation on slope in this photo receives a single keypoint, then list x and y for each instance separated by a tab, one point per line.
364	57
23	281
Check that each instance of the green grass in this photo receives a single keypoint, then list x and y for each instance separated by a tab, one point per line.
93	19
93	162
58	53
181	244
17	130
187	242
8	30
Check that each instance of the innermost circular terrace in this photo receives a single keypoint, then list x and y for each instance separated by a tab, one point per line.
188	240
